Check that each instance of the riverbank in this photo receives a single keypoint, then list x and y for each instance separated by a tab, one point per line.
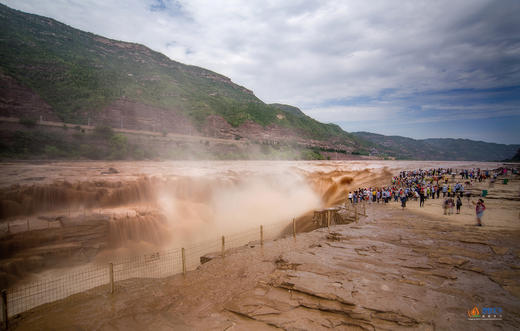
395	269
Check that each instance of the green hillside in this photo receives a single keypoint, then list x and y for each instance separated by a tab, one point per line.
78	73
288	108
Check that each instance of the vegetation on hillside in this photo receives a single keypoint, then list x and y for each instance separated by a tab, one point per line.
79	73
102	143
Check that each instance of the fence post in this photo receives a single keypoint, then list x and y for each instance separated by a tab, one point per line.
364	209
111	274
261	235
328	219
356	214
183	261
4	309
294	228
223	245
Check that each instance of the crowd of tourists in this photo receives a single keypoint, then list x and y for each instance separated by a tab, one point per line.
418	185
430	184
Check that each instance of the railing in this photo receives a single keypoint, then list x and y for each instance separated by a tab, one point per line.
155	265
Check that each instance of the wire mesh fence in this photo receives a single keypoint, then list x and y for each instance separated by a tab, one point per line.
28	296
154	265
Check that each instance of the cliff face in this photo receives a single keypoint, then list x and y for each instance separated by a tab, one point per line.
17	100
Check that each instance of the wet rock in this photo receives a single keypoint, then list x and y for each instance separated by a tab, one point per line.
513	289
500	250
417	265
413	282
443	274
472	267
110	171
209	257
454	261
334	236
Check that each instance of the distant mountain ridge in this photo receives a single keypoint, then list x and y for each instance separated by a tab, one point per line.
437	148
515	158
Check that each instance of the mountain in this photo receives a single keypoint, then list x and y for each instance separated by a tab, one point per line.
52	71
515	158
437	148
119	97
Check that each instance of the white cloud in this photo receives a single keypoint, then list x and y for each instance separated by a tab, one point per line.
352	113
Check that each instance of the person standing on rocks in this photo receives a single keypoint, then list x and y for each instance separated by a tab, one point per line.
459	204
445	206
479	210
451	204
403	200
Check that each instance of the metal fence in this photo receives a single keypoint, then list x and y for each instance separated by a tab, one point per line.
155	265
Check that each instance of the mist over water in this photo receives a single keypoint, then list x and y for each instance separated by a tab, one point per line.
209	207
77	207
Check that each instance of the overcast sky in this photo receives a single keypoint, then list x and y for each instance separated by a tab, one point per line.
413	68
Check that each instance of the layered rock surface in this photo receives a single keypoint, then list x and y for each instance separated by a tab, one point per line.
393	270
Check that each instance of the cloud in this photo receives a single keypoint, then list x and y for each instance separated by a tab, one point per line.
321	55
